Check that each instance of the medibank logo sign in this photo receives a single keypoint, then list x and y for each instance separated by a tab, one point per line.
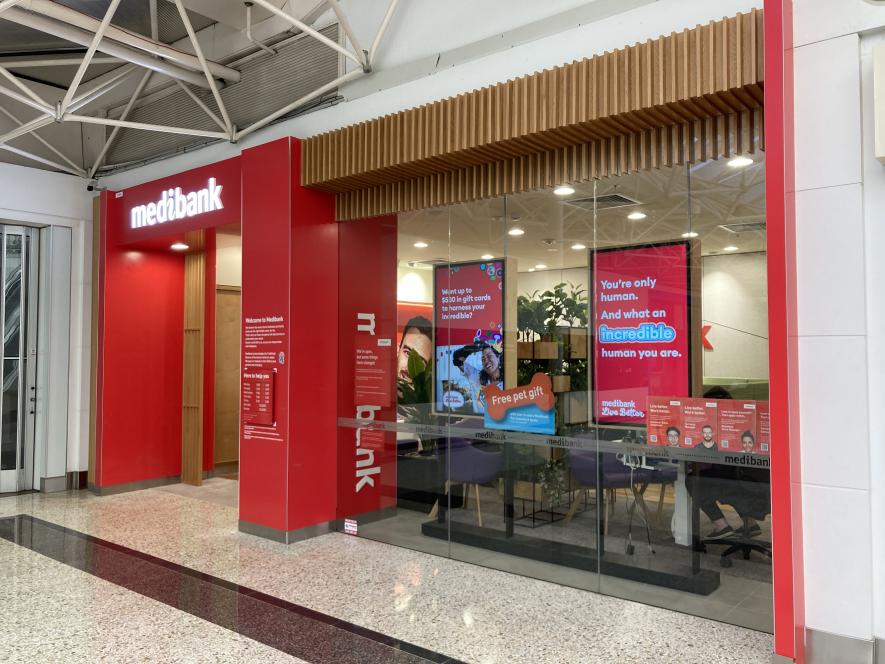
174	204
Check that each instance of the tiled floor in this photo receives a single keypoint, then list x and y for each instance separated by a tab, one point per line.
54	612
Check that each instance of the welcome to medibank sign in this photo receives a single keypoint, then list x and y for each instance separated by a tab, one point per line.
174	204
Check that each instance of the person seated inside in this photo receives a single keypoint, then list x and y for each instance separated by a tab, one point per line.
747	490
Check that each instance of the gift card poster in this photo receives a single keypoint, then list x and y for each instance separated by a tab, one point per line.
468	334
641	341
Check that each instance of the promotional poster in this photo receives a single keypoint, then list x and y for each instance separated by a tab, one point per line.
469	337
763	427
724	425
737	426
641	343
528	408
700	423
664	421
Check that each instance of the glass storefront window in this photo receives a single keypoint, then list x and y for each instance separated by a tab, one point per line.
582	385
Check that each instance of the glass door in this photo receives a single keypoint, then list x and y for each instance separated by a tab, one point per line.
18	393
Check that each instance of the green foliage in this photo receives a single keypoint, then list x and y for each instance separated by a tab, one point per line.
530	316
415	397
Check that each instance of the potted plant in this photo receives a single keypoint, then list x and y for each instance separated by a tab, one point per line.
420	474
530	323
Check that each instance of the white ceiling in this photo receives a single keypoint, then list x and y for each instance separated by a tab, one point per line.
719	195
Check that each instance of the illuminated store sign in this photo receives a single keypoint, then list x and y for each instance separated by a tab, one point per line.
175	204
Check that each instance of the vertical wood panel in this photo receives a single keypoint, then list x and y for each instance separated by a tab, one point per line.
192	371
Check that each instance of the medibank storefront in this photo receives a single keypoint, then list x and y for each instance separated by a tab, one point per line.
529	327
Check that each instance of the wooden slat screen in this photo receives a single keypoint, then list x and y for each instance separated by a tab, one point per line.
631	104
192	375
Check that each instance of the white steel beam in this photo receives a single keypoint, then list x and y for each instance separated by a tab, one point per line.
308	30
54	10
81	70
26	128
71	117
351	35
40	139
43	160
205	65
107	144
21	86
78	36
6	4
300	102
381	30
27	101
60	61
97	90
199	102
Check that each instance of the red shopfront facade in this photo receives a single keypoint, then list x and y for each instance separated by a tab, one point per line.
293	318
300	473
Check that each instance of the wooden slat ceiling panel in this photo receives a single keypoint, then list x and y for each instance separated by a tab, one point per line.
614	112
674	145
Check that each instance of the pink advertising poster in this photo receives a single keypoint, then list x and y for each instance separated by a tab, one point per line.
700	423
469	337
737	426
641	340
763	428
664	421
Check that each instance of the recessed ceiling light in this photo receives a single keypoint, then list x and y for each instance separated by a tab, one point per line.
636	216
690	234
740	162
730	248
578	246
516	232
487	257
531	269
540	266
420	245
179	246
564	190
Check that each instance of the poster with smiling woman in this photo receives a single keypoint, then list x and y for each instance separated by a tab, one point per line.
469	330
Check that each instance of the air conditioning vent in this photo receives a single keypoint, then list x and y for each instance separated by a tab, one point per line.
745	227
605	202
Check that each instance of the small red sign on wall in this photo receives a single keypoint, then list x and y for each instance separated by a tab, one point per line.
258	395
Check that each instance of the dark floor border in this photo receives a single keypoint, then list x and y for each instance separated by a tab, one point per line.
285	626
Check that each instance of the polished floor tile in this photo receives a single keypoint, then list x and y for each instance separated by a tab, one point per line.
464	611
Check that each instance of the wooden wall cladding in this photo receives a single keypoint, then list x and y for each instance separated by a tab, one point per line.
622	103
192	377
711	138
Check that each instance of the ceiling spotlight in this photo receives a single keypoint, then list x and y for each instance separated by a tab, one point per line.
531	269
564	190
179	246
420	245
730	248
636	216
516	232
540	266
578	246
740	162
487	257
690	234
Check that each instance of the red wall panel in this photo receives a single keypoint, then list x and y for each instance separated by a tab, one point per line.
140	359
314	353
267	269
786	515
209	355
368	260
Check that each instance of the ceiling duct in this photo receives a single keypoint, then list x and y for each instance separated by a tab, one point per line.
604	202
744	227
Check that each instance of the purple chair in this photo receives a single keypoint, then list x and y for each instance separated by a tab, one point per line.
617	475
469	465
